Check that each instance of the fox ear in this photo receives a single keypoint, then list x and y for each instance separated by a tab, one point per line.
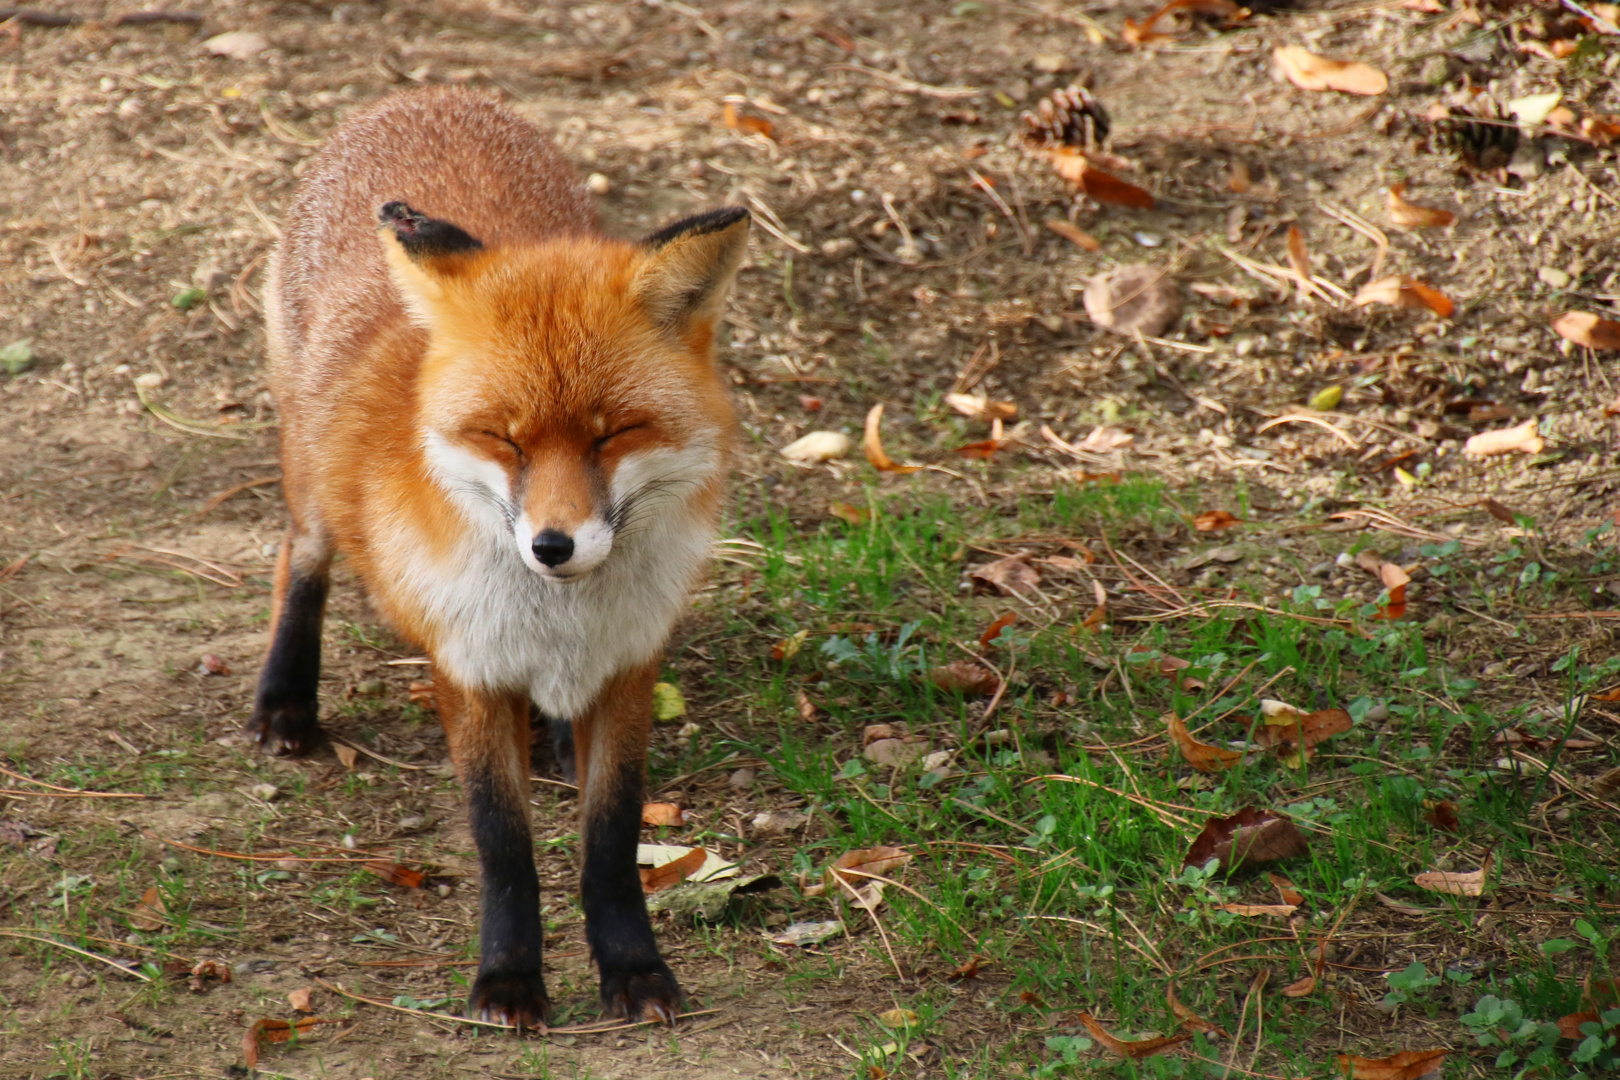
690	265
422	253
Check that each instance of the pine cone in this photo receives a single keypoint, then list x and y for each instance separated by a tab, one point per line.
1483	135
1070	117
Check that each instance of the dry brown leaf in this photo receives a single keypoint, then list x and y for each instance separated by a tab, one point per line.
1249	836
968	969
980	407
1499	512
1135	1051
656	878
895	753
1308	71
1302	987
1523	439
1406	1065
983	449
1471	883
299	1000
1300	260
1189	1019
987	640
149	913
848	512
1295	731
1405	292
873	445
1215	521
1133	299
966	678
276	1031
817	446
1250	911
1072	234
395	874
1240	181
662	814
347	755
1286	890
850	870
1589	330
747	123
1410	215
1012	576
1570	1026
1094	183
1201	756
1600	128
1443	816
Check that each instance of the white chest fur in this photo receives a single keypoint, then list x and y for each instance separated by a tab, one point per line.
499	625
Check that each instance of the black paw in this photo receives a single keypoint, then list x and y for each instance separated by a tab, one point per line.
642	995
285	730
507	998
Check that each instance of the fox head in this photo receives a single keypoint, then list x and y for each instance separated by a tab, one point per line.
568	396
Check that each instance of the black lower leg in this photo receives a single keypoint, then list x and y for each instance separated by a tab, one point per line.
636	983
509	986
284	710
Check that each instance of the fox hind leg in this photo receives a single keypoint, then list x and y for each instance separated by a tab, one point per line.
285	709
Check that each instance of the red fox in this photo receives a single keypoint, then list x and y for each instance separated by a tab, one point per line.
513	429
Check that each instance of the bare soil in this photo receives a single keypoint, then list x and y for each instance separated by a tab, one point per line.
137	166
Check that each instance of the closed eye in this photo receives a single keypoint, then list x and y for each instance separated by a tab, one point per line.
516	449
605	439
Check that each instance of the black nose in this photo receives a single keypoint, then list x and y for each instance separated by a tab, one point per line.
553	548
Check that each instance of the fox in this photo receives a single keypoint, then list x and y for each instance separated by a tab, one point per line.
512	427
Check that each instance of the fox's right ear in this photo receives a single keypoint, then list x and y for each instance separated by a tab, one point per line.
422	254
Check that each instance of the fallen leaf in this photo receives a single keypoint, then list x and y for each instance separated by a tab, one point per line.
1302	732
213	665
1249	836
1606	784
1105	187
895	753
987	639
1405	292
1327	399
1103	440
968	969
873	445
236	45
851	867
1443	816
1300	260
848	512
747	123
1533	109
1201	756
1215	521
1402	909
1189	1019
662	814
347	755
1406	1065
1471	883
396	874
818	446
980	407
203	970
1012	576
673	872
1523	438
1570	1026
1134	299
966	678
1251	911
1134	1051
1499	512
982	450
149	913
276	1031
789	647
667	702
1602	129
776	822
804	934
1239	181
1602	993
1286	890
299	1000
1308	71
897	1018
809	403
1072	234
1300	988
1589	330
1410	215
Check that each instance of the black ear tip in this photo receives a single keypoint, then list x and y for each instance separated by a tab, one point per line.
424	236
710	221
398	214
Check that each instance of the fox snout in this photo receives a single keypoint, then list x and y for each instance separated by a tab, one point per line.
562	554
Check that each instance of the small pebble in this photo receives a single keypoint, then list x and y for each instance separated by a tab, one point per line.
1377	714
444	890
1322	569
267	792
411	821
742	779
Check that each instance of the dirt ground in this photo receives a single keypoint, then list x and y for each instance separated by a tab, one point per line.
899	245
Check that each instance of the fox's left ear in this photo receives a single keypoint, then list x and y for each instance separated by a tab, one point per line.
422	254
690	266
